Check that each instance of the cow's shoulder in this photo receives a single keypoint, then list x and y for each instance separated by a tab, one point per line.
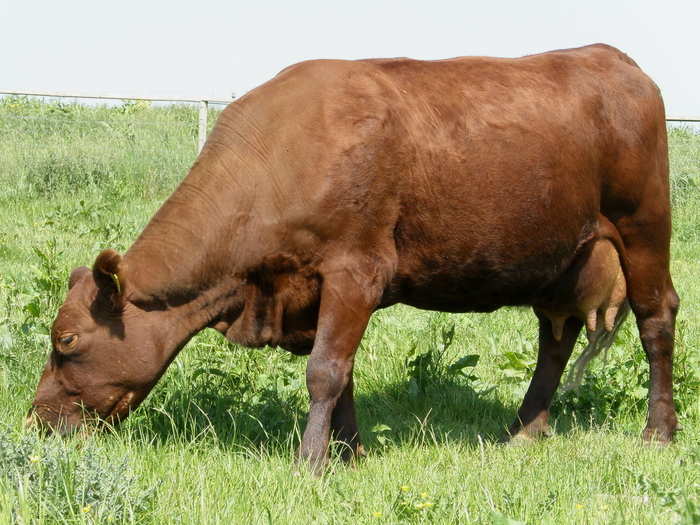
327	73
332	97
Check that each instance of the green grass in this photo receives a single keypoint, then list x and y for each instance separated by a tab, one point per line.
214	442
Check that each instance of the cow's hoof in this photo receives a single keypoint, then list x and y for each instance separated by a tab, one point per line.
521	439
655	436
528	434
316	466
350	454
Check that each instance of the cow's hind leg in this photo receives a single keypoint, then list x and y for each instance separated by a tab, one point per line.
646	236
348	298
553	355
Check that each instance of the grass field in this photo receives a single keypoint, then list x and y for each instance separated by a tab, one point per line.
214	442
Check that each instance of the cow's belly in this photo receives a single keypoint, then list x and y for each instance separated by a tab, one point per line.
504	257
476	285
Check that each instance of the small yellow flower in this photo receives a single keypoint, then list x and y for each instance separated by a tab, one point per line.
376	514
86	509
34	459
423	495
405	488
579	506
419	505
428	504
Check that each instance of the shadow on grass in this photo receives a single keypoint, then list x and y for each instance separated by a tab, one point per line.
446	411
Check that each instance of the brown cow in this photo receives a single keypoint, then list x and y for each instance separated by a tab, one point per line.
341	187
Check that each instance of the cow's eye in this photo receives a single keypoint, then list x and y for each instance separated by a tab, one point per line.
68	341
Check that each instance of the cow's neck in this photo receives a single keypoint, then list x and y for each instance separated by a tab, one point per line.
192	256
181	322
189	246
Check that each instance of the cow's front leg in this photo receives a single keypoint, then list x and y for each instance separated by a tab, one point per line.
553	355
346	306
344	425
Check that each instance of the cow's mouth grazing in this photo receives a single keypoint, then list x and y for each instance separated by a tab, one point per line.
50	420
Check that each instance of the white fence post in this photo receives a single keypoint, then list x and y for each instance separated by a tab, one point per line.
203	111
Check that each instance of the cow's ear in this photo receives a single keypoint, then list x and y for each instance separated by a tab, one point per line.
108	272
76	275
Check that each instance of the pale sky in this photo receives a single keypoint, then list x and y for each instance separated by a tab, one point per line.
210	49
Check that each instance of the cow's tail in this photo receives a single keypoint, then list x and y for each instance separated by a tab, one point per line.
599	341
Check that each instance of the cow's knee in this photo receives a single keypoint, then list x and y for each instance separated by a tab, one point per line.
326	378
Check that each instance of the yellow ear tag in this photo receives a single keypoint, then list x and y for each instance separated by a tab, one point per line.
115	278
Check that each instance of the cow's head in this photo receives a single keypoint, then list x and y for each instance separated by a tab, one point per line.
106	354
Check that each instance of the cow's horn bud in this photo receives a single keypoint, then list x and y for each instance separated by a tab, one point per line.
115	278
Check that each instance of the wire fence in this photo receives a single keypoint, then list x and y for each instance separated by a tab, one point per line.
108	99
